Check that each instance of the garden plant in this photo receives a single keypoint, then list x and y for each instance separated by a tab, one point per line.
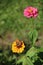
21	32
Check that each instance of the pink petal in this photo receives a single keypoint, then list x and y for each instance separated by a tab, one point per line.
30	14
35	15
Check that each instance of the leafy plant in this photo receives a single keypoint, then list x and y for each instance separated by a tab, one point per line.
33	36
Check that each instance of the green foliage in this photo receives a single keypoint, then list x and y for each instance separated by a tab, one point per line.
33	35
25	61
29	58
40	49
30	52
26	58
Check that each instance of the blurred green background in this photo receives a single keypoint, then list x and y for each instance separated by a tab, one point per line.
13	24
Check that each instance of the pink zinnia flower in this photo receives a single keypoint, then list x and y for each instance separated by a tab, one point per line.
30	12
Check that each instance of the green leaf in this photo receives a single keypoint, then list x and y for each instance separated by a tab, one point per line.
30	35
40	49
11	58
33	35
41	60
1	54
31	52
34	58
20	60
29	61
25	61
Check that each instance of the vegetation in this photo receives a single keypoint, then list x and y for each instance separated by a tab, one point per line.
13	25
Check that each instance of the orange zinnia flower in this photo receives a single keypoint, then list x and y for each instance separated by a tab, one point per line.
18	46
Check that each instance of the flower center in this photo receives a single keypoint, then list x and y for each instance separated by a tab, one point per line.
30	10
19	44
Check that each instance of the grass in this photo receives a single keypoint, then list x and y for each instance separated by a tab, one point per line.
13	21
